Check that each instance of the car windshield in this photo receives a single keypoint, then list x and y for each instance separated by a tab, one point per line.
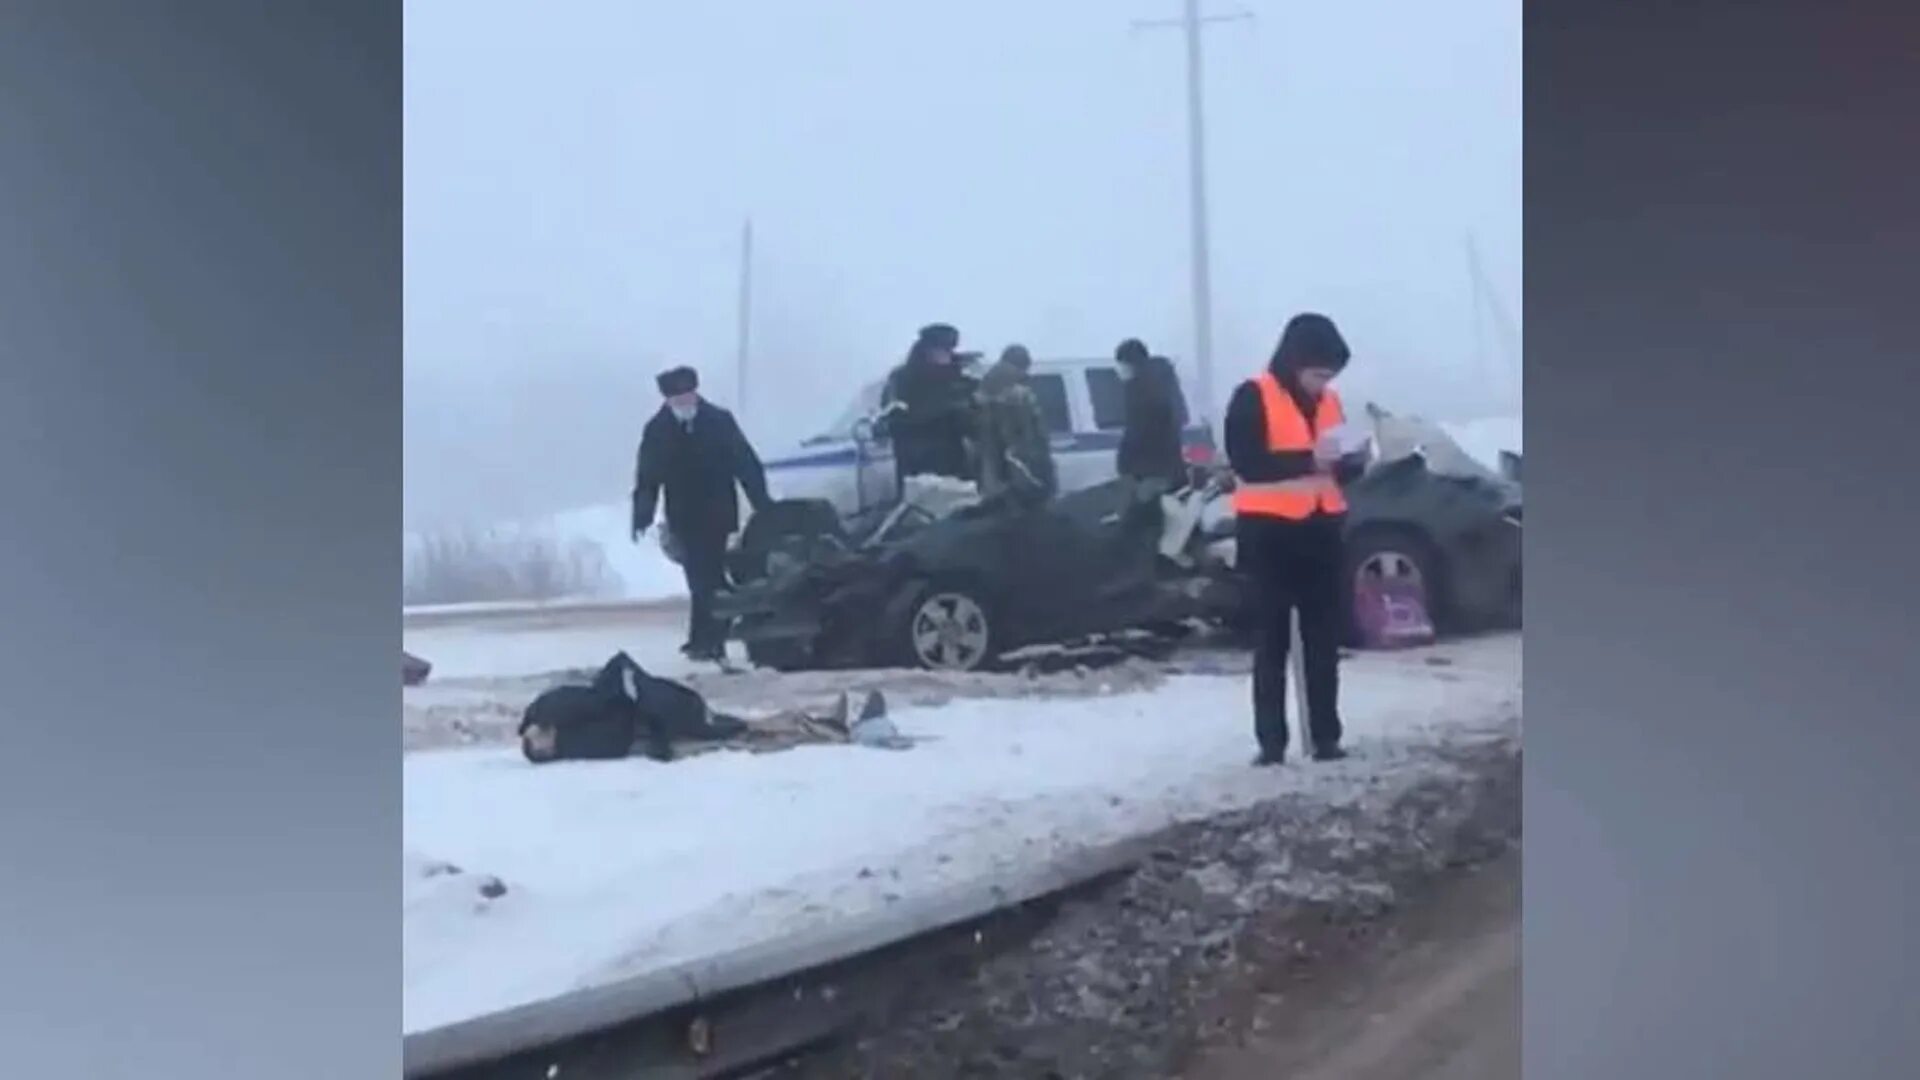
862	406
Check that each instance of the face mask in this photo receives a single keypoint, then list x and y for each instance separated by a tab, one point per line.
1126	372
684	413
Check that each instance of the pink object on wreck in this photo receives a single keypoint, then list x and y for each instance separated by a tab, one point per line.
1391	613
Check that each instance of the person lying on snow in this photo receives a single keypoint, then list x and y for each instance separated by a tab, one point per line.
622	706
625	706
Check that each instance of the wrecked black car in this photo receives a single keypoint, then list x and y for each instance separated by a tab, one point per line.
943	581
953	584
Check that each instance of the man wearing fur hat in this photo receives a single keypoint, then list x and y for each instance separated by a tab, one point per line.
928	408
695	452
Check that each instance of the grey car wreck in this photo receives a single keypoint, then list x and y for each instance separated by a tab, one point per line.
907	587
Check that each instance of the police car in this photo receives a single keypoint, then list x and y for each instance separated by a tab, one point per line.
1083	402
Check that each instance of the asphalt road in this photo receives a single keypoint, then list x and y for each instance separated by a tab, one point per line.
1437	998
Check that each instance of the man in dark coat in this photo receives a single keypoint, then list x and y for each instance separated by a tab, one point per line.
928	408
696	452
1156	417
622	707
1015	451
625	708
1294	552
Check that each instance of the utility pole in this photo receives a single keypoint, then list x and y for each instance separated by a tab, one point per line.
1192	23
1487	303
745	329
1479	317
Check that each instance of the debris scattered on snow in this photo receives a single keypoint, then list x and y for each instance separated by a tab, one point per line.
766	846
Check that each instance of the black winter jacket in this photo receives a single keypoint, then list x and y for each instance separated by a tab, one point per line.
933	432
697	464
1156	418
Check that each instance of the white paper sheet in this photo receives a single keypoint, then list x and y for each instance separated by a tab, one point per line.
1345	439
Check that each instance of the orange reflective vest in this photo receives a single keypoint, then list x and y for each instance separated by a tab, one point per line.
1289	432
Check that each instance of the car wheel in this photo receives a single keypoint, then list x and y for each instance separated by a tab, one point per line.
943	628
1403	554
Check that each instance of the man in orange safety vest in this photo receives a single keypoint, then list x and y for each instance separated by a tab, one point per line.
1289	515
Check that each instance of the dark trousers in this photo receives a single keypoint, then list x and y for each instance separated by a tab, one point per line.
704	558
1295	566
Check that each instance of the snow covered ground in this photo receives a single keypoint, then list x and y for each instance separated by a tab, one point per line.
612	868
642	571
532	642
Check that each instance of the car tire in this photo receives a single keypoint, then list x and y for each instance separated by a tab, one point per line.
940	627
1398	551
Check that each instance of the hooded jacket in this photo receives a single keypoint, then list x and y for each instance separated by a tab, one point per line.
1308	341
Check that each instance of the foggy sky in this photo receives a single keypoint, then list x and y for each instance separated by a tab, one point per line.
577	172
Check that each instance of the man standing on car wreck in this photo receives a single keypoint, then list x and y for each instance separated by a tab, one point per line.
1289	515
696	451
1014	451
927	409
1156	417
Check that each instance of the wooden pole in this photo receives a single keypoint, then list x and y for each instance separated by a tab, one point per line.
1297	660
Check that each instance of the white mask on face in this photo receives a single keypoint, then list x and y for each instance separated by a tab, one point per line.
684	413
1126	372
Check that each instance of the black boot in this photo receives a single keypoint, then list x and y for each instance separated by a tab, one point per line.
1269	758
1329	753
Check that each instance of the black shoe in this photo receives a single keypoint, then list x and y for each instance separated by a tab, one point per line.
1265	760
711	654
875	707
1331	753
